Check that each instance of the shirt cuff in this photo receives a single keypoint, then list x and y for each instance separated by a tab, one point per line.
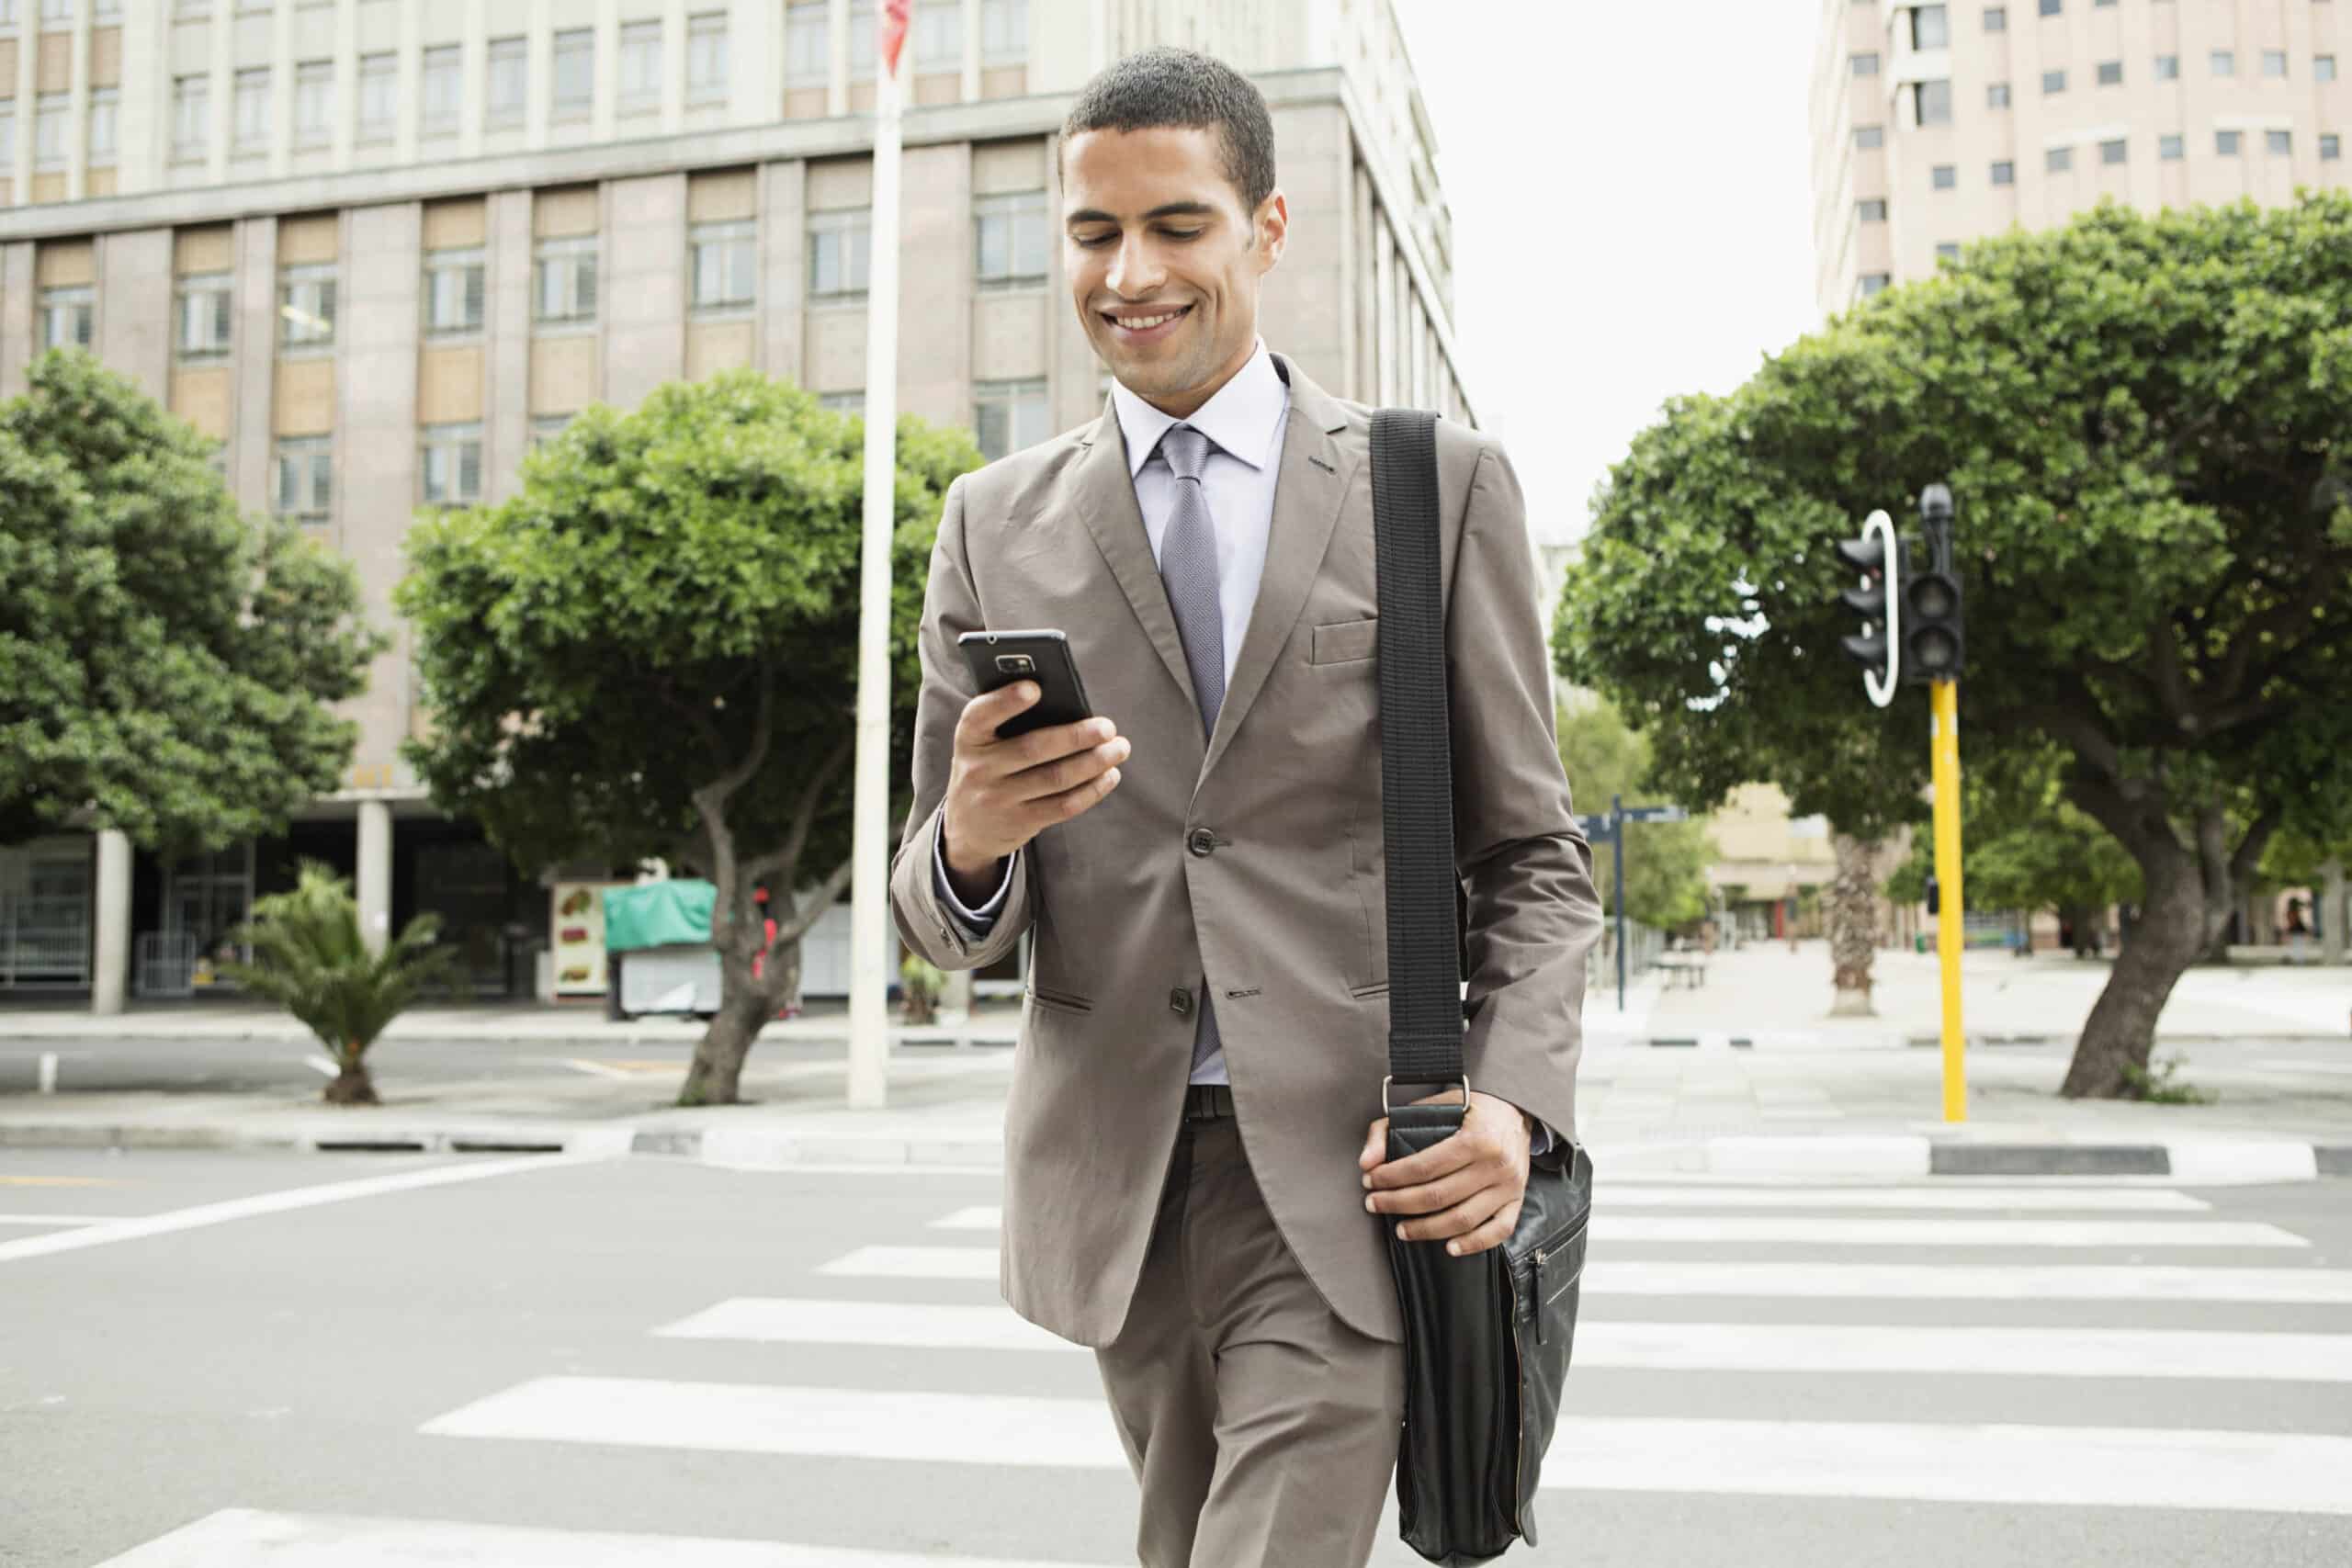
975	922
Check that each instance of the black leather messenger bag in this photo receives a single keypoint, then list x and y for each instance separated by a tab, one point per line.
1486	1336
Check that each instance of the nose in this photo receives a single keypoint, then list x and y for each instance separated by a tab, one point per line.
1134	269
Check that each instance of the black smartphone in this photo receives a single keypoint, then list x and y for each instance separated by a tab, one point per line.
999	658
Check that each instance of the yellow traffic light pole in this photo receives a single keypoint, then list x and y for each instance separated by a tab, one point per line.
1944	756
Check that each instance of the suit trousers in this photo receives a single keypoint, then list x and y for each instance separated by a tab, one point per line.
1261	1429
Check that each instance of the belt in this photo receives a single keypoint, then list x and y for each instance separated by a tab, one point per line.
1208	1101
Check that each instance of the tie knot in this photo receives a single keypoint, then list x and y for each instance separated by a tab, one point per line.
1186	450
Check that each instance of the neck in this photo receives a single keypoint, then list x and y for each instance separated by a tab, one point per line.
1185	404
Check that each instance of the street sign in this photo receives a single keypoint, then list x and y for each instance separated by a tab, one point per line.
1656	814
1595	828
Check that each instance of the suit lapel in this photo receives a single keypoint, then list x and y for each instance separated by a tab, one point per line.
1308	488
1104	494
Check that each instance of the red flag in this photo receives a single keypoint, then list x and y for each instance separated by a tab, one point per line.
894	33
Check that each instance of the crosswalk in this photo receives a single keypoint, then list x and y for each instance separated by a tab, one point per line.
2023	1345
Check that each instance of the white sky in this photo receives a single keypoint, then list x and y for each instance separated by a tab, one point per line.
1630	206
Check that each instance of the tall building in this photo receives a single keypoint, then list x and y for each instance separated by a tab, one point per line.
1936	124
378	248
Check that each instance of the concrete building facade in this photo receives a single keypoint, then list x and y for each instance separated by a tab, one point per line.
377	249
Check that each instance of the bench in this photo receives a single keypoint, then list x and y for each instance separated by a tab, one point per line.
1687	971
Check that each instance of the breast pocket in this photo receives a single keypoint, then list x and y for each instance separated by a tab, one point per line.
1345	642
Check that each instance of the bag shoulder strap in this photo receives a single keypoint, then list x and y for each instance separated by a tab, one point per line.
1425	1024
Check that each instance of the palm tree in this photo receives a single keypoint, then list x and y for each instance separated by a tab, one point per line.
311	958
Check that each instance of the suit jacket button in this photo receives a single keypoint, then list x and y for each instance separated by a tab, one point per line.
1201	841
1180	1000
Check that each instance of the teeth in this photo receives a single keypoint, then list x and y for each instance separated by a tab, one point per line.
1144	323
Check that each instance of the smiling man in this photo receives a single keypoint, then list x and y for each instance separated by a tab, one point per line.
1195	1175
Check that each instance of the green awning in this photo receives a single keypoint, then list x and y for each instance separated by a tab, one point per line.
659	914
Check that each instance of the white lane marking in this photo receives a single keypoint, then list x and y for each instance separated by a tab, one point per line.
1640	1346
1938	1281
56	1219
1860	1281
255	1537
979	1217
600	1069
1877	1232
2077	1466
279	1202
48	1079
323	1066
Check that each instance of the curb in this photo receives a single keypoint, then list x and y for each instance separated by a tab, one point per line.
2192	1160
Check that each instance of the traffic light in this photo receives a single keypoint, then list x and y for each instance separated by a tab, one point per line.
1877	558
1932	645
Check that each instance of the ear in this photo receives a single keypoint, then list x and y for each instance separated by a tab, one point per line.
1274	229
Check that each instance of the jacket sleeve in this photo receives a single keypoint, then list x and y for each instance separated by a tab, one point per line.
1534	913
951	606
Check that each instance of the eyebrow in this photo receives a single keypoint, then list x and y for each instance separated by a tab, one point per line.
1166	210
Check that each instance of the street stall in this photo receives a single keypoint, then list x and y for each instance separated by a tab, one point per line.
657	939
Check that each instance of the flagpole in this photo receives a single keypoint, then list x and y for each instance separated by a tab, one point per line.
870	932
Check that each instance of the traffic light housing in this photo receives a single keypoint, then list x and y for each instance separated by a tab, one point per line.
1867	556
1933	645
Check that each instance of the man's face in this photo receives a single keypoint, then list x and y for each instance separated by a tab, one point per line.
1150	227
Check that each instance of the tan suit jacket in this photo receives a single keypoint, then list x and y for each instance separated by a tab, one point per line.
1285	914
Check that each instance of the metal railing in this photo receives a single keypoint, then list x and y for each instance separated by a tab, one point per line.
44	942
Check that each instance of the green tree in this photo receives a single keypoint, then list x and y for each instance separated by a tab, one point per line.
1665	863
166	662
2143	423
310	959
650	651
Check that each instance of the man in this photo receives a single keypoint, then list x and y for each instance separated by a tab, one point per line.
1194	1137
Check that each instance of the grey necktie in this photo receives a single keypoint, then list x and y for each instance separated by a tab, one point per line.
1188	565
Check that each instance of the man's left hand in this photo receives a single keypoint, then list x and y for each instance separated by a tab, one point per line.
1467	1188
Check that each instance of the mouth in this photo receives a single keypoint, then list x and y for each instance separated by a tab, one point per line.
1158	326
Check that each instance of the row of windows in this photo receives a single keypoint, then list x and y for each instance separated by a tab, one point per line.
2170	147
2219	63
62	11
1009	245
1932	25
52	115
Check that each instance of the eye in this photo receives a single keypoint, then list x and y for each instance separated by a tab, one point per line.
1095	243
1181	233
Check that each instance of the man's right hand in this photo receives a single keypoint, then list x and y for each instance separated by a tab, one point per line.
1001	794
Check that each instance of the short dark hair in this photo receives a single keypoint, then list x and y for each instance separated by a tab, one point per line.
1168	87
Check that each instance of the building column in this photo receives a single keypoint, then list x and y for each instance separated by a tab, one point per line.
110	962
2332	912
376	874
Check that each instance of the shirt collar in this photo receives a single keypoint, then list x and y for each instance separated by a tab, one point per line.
1244	417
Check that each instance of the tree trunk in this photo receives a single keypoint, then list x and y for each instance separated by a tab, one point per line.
2332	912
1853	917
2176	926
745	1004
352	1085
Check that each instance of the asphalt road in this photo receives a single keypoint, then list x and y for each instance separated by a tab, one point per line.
401	1359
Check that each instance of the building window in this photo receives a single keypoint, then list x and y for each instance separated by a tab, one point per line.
1931	102
2058	160
2173	146
2168	68
56	10
1867	137
2114	152
1948	252
2331	147
1865	65
50	113
1944	176
2225	143
545	427
439	80
844	402
2005	173
2280	142
2322	68
191	115
861	39
2274	62
305	479
509	80
106	104
66	317
707	57
453	292
1004	31
807	43
1930	26
378	78
2054	81
1009	239
313	102
449	464
2225	62
1872	283
2052	7
1996	95
201	312
724	258
1872	210
306	306
939	35
8	135
841	247
1009	415
1996	19
640	86
566	289
2110	74
252	102
184	10
575	73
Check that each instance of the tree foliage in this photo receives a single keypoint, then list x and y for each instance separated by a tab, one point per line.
650	651
166	663
2026	848
2144	422
1665	863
